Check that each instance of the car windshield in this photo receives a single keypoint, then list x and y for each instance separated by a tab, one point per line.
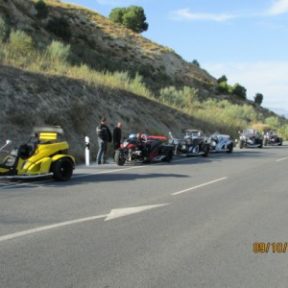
251	132
193	133
272	133
224	137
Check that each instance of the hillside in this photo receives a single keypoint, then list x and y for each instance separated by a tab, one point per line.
29	99
71	74
102	45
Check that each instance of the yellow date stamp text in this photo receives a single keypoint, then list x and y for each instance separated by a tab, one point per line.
270	247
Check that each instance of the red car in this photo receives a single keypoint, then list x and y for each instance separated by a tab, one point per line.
140	148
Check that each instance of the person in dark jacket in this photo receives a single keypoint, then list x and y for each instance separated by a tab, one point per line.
104	137
117	135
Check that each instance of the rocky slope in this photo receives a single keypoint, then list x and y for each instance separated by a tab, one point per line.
29	100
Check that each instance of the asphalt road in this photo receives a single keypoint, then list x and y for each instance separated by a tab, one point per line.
191	223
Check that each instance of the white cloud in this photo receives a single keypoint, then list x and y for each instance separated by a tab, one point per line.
267	77
188	15
278	7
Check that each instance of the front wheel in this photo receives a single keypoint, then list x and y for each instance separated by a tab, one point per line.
206	150
169	156
230	148
62	169
119	158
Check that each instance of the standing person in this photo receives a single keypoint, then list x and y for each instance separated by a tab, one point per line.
104	137
117	135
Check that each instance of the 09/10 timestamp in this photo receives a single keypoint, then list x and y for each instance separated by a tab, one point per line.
272	247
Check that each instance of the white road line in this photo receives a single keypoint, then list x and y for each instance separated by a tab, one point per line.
199	186
114	214
48	227
281	159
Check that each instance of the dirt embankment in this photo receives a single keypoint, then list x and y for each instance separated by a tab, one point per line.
29	100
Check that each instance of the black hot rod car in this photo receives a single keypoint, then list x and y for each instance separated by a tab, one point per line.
194	143
271	138
142	148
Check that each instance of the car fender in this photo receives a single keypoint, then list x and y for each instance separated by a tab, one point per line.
60	156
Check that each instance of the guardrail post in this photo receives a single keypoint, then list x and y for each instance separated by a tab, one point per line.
87	151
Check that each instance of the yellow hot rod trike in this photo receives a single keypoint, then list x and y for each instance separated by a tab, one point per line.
42	155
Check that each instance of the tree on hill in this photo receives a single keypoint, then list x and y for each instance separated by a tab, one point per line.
132	17
223	78
223	86
196	63
116	15
258	99
42	9
239	91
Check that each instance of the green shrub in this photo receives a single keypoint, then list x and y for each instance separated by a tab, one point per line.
196	63
42	9
2	53
223	87
273	122
239	91
116	15
223	78
283	131
58	51
132	17
4	30
258	99
59	27
180	98
20	43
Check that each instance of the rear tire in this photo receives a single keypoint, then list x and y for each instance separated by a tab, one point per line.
169	156
62	169
119	158
230	148
206	150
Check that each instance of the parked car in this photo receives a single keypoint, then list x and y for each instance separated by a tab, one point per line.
42	155
271	138
194	143
221	143
144	149
250	138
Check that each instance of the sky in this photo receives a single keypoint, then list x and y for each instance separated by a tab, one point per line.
246	40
